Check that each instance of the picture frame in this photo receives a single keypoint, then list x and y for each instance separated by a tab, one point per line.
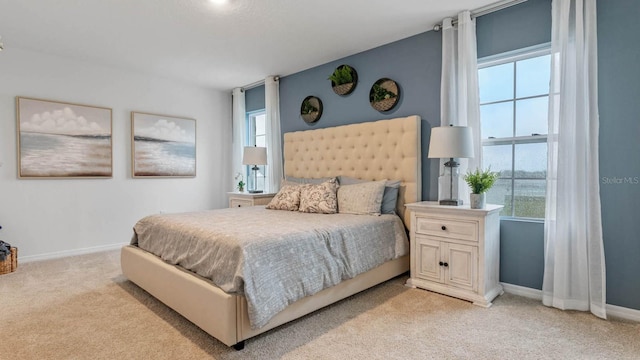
63	140
162	145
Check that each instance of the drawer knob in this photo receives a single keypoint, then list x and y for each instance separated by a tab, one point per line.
443	228
446	265
239	205
441	263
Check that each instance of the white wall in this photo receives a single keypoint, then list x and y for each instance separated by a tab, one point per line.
50	218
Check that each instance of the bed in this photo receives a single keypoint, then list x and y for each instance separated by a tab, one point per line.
373	151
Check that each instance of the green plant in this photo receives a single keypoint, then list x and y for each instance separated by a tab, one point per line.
241	183
481	181
341	75
379	93
307	107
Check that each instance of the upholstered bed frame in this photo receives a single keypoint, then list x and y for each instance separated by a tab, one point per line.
385	149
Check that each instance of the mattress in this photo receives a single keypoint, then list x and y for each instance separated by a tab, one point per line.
272	257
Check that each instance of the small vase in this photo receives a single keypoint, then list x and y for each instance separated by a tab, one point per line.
240	188
477	201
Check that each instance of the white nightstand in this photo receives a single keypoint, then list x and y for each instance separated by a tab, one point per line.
240	199
455	250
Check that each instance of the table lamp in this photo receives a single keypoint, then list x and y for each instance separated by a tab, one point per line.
451	142
255	156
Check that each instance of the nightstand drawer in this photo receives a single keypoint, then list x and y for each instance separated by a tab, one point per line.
240	203
249	199
448	228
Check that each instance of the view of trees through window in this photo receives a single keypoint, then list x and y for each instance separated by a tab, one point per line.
514	96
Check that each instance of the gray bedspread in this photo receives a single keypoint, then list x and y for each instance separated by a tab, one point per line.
273	257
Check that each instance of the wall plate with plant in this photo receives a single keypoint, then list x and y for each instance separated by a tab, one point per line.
311	109
343	80
384	94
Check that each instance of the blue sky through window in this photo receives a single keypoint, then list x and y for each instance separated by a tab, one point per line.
514	112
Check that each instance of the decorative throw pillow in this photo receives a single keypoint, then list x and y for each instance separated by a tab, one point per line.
319	198
288	198
363	198
389	198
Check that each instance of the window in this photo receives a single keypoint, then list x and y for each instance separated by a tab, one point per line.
256	135
514	97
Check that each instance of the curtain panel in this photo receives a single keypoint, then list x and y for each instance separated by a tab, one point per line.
460	99
238	128
274	143
574	272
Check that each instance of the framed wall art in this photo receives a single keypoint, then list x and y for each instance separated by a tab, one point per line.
162	146
63	140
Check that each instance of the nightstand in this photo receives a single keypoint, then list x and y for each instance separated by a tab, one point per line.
455	251
240	199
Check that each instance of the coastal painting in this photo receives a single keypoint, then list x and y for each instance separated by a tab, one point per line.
63	140
163	146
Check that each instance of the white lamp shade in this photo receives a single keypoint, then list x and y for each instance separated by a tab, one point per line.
451	142
254	155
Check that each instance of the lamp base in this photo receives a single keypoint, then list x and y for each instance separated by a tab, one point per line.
451	202
255	191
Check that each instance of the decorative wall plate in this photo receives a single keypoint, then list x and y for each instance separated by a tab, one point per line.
384	94
311	109
344	80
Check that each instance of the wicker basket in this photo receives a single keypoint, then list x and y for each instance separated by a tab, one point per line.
310	117
10	264
389	103
344	89
384	105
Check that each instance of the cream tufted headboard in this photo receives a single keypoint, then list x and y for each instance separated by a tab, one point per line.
377	150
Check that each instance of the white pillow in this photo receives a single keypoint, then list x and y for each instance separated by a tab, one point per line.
389	198
363	198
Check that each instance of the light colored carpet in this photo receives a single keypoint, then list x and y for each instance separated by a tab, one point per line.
83	308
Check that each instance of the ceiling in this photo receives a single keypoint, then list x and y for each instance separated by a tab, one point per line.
217	46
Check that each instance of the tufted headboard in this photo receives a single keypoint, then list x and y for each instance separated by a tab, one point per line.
377	150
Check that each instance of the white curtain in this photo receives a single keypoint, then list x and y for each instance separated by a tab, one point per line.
459	99
574	273
238	140
274	144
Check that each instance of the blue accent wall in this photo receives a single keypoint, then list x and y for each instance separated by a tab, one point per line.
254	99
522	253
517	27
415	63
618	92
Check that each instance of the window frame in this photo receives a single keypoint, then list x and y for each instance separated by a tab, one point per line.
250	140
514	57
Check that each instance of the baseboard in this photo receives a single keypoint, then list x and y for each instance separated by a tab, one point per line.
612	310
522	291
66	253
623	313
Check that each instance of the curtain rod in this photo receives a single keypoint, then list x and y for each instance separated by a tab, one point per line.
485	10
256	84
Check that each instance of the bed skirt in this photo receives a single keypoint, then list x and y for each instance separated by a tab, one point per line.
224	316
